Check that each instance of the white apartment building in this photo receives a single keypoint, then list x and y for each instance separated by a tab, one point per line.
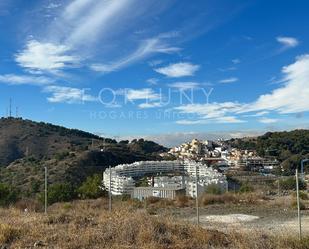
122	181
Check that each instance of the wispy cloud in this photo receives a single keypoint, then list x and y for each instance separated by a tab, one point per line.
287	42
154	63
177	70
80	27
236	61
150	105
258	114
146	48
13	79
185	85
228	80
268	120
210	113
89	18
152	81
69	95
53	5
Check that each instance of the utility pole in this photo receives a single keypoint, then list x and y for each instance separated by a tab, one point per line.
45	190
298	203
196	199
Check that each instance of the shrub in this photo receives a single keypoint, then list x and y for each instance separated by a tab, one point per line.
8	195
209	199
62	155
152	200
182	200
29	204
301	205
59	193
91	188
213	189
290	184
302	195
245	187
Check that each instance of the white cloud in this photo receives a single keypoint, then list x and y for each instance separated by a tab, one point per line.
13	79
91	18
268	120
211	110
184	85
229	80
53	5
287	42
150	105
140	94
154	63
50	57
219	120
227	69
258	114
76	8
180	69
152	81
95	29
68	95
146	48
292	97
236	61
210	113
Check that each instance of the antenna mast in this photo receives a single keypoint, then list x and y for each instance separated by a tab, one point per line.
10	111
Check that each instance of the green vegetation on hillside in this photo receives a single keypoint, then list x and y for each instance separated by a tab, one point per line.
70	155
288	147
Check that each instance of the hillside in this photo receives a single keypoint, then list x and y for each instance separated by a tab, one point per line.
26	147
288	147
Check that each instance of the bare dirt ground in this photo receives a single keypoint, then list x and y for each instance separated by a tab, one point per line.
251	218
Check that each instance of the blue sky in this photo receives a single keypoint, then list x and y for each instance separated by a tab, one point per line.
164	70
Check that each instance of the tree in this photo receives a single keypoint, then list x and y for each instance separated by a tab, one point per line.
91	188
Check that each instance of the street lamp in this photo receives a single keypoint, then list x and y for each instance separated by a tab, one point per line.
302	168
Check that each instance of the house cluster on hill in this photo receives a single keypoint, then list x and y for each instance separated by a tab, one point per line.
224	155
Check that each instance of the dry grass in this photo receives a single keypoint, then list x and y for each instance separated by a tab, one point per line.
7	233
87	224
227	198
